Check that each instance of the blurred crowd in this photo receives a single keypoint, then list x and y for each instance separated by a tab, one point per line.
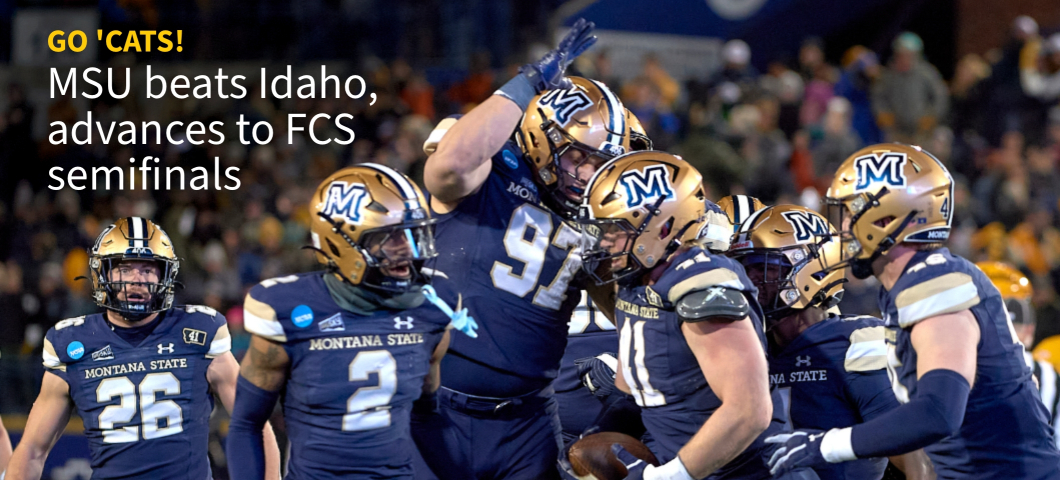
777	134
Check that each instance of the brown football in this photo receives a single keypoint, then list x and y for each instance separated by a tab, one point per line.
592	455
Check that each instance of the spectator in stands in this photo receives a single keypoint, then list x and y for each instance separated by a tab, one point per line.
910	96
737	71
838	141
788	88
1007	106
1040	77
861	68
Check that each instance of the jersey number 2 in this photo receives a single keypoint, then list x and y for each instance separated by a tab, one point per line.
527	241
369	407
152	410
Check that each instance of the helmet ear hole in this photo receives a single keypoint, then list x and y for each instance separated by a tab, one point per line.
666	228
334	249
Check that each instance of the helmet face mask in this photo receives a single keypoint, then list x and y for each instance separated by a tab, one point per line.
372	229
133	269
609	256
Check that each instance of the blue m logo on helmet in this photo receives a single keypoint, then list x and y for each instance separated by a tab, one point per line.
565	103
646	186
807	225
886	169
345	200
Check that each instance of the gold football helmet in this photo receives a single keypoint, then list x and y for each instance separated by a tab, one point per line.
133	239
739	207
638	209
588	118
371	227
1015	288
638	137
785	250
888	194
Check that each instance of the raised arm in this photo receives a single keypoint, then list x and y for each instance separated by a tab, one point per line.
47	420
223	375
261	376
461	162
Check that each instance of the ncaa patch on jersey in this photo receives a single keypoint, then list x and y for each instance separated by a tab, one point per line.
75	350
510	160
302	316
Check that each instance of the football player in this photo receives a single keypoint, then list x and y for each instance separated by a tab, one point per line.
502	240
954	359
352	346
1017	292
142	375
586	381
691	344
830	370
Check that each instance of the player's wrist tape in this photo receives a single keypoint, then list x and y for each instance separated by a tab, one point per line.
518	90
836	446
672	470
936	412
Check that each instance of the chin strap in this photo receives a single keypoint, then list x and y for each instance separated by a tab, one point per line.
460	319
862	268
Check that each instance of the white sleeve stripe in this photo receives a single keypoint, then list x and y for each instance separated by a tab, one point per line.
51	361
872	348
219	346
946	301
271	329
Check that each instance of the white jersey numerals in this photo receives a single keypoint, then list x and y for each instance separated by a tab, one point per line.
527	241
369	407
159	418
631	350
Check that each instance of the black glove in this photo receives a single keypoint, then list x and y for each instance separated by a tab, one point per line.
598	374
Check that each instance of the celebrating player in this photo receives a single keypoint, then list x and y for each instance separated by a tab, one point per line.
691	344
503	242
142	374
352	346
1017	292
954	358
829	370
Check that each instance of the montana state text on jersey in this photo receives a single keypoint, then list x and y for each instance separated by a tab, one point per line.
834	375
353	378
146	407
1005	423
662	372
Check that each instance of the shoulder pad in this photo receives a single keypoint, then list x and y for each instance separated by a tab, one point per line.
867	351
259	318
213	324
695	270
714	303
931	290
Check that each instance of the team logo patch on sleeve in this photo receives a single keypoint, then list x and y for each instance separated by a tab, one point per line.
874	169
194	337
807	226
345	200
565	103
646	186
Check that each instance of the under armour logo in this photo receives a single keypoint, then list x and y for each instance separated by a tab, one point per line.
406	324
165	348
801	361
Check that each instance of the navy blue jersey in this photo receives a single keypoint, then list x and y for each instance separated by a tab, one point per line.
146	407
663	373
1006	431
513	261
352	378
834	375
589	334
